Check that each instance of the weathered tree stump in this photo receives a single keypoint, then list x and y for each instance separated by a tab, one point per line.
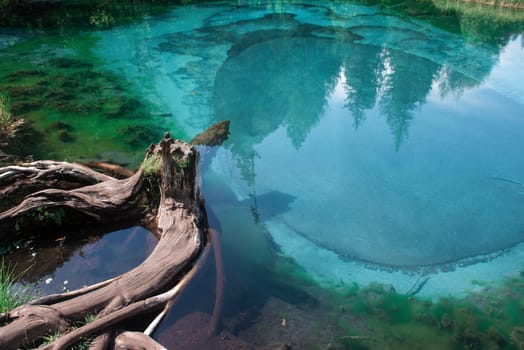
73	194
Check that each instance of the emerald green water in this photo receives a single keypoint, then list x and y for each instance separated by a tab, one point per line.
375	154
79	111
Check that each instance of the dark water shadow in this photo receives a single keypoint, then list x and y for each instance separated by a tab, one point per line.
70	260
248	287
269	204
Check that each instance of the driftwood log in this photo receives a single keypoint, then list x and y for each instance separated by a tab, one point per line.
49	194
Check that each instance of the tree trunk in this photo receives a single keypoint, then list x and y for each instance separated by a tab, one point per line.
62	194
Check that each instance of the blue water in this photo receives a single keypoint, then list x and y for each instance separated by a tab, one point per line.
381	139
365	147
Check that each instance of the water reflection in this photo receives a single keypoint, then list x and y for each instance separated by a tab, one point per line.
292	75
293	80
301	75
68	263
380	126
285	59
292	67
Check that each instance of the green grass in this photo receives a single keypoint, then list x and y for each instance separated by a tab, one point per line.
81	345
500	10
6	118
90	318
152	165
499	3
10	295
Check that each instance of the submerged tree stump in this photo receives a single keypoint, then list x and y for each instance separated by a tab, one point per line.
53	194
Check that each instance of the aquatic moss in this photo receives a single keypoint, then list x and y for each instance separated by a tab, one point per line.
152	165
396	307
23	74
104	116
289	271
140	136
400	321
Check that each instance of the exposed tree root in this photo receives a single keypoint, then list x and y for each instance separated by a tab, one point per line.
55	298
79	195
111	169
136	341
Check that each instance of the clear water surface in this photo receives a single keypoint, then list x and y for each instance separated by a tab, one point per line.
365	146
383	140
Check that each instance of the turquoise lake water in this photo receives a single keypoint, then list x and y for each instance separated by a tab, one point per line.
383	140
365	147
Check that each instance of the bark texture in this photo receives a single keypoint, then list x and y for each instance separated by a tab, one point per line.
50	193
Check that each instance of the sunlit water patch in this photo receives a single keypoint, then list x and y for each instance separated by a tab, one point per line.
382	142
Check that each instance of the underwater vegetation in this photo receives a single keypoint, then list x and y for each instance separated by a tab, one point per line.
490	320
72	103
290	306
377	317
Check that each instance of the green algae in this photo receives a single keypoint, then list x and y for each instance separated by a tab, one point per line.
105	119
489	319
400	320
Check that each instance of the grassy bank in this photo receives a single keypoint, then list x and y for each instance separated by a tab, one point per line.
10	296
501	10
516	4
